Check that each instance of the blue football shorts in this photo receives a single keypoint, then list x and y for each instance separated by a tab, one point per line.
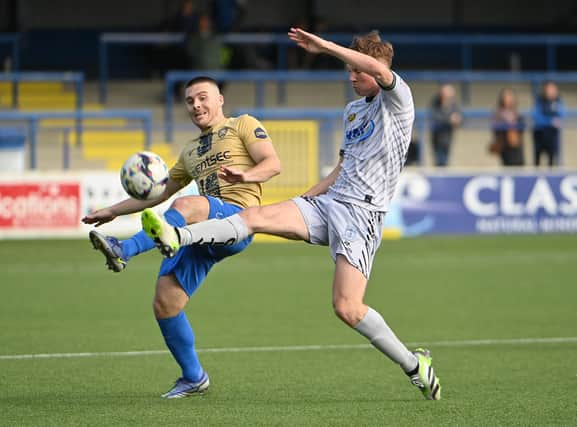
192	263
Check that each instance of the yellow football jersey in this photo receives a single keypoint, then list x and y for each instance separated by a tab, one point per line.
222	145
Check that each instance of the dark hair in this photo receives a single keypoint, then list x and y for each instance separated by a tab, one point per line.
372	45
200	79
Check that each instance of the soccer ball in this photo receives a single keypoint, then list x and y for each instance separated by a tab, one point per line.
144	175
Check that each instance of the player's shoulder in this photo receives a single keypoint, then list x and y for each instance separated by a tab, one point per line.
397	85
244	120
248	125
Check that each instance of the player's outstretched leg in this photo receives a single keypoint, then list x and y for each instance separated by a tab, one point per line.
425	379
111	248
164	235
185	388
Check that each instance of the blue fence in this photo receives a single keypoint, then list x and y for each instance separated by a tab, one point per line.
107	39
260	78
330	119
77	79
32	119
465	42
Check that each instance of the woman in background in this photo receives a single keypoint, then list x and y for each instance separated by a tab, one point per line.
508	126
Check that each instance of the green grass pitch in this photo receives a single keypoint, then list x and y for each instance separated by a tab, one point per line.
470	299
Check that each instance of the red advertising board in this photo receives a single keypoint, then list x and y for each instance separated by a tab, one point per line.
33	204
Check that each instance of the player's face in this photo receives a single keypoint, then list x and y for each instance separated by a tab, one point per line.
204	104
363	83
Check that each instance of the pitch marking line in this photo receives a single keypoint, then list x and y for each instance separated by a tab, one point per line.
463	343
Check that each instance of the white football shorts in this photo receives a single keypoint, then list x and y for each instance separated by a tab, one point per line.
347	229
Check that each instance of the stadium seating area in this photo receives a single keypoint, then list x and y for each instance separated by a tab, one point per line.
106	142
470	145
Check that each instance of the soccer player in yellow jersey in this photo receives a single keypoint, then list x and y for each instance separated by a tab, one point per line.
229	160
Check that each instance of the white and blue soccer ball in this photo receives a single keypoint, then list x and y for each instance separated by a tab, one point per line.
144	175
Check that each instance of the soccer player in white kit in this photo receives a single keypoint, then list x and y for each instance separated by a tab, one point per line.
345	210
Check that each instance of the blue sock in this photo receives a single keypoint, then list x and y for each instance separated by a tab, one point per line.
140	242
174	218
179	338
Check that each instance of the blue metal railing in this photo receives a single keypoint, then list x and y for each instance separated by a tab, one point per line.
32	119
107	39
260	78
331	117
466	43
14	41
77	79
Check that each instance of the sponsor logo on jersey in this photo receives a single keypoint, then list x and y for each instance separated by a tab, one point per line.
211	160
204	144
361	132
260	133
352	117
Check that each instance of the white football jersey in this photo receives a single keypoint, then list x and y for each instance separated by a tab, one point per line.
377	134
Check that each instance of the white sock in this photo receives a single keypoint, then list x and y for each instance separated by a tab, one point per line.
226	231
374	327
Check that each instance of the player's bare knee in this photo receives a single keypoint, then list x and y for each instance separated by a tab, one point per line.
192	208
165	307
348	311
252	218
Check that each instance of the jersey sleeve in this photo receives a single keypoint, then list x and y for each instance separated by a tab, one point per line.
178	172
398	94
250	130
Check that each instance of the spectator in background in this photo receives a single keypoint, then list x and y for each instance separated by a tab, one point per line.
185	21
445	117
169	56
508	126
205	48
547	114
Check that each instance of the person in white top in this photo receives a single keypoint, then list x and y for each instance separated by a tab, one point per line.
345	210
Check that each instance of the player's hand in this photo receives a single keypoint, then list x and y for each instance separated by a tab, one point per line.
308	41
99	217
231	175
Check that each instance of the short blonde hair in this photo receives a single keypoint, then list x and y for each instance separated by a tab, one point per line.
372	45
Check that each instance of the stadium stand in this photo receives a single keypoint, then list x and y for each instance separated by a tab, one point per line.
110	138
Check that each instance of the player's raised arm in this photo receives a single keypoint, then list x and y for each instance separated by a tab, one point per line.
358	61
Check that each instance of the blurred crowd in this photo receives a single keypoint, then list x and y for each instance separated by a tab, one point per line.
205	21
508	127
